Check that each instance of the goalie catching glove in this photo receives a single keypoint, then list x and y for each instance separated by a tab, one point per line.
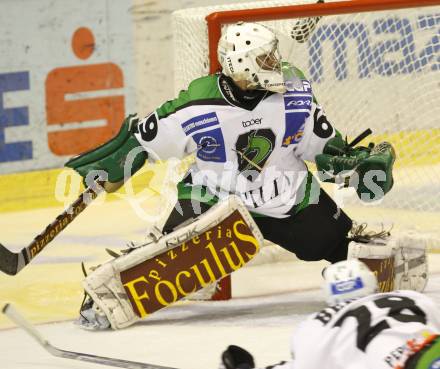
113	162
358	167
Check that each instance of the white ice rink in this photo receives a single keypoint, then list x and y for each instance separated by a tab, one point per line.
188	336
268	302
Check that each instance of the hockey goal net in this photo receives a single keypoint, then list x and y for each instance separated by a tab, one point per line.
372	63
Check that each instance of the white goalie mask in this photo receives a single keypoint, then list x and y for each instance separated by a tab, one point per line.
348	279
249	52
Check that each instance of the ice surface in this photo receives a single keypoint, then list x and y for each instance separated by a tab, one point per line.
269	301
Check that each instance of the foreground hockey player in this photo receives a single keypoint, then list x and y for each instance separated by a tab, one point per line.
252	127
360	329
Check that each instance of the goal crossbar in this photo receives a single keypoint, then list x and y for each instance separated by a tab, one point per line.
217	19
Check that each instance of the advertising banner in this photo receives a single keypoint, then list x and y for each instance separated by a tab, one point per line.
66	79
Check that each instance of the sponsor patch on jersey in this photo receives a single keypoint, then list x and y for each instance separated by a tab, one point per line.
210	142
295	123
251	122
210	145
200	122
297	107
296	101
294	138
351	285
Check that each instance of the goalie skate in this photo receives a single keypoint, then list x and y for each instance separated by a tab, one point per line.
91	317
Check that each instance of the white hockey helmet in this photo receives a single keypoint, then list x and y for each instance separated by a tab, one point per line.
249	52
348	279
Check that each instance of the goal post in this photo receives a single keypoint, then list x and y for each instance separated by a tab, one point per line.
372	64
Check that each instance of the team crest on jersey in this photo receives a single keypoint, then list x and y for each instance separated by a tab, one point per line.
253	149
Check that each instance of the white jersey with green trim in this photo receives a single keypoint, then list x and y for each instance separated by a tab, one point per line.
379	331
250	143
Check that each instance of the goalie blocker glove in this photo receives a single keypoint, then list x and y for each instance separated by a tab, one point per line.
235	357
115	161
367	169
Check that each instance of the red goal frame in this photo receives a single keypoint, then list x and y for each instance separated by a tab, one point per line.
217	19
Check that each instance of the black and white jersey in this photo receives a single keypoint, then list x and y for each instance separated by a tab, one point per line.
379	331
250	143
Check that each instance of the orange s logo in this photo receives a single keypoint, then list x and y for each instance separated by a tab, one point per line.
82	79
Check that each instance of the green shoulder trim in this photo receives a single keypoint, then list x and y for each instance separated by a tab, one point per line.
290	71
201	90
304	189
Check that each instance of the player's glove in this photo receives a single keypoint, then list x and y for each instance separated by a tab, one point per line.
235	357
119	158
367	169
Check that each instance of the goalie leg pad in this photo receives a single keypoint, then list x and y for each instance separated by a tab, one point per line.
399	262
175	265
411	265
379	257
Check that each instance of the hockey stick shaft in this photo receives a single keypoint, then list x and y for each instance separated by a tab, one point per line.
11	263
13	314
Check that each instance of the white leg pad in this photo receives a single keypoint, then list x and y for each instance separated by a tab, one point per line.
176	262
411	265
401	258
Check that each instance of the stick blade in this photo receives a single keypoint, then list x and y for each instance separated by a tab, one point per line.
9	261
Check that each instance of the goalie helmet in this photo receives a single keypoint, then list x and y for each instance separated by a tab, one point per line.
249	52
348	279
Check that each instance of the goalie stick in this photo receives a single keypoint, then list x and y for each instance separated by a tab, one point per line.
13	314
12	262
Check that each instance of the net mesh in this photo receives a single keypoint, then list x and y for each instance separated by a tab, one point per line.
377	69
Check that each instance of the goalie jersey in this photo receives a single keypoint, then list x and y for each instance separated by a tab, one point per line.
249	143
379	331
